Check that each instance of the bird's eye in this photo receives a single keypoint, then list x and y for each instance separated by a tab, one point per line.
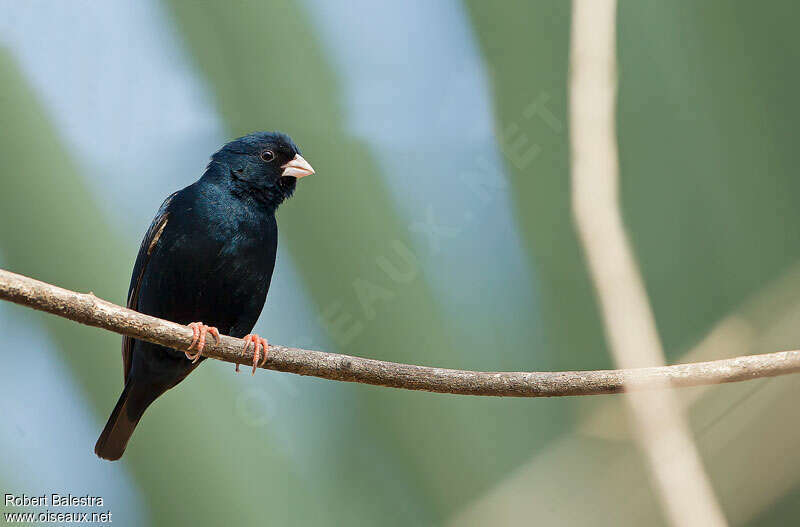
267	156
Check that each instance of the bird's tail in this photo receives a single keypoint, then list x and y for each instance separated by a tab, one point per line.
132	403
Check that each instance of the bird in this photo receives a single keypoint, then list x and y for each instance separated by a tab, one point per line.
206	261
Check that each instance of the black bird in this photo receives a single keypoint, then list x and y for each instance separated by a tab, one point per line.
208	256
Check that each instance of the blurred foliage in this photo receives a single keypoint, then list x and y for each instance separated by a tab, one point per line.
707	106
594	475
784	510
526	46
706	114
50	228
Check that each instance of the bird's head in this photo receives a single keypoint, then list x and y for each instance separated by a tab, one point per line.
264	165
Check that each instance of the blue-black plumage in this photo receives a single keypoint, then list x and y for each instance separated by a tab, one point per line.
206	260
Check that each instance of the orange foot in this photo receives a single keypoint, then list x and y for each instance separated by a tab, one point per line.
199	331
258	344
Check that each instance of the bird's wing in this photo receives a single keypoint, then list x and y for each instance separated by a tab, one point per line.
149	244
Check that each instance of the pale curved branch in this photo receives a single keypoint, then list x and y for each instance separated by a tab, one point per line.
92	311
679	478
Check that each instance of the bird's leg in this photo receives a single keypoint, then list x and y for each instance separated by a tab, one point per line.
258	344
199	331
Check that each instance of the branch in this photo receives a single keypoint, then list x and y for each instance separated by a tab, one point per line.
92	311
677	469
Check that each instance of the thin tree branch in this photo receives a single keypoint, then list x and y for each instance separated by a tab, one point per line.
92	311
683	486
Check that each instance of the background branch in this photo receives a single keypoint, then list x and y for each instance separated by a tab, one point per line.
663	435
90	310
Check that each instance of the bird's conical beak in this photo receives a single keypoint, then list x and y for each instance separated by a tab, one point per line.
297	167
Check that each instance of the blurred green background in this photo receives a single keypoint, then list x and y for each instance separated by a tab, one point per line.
437	231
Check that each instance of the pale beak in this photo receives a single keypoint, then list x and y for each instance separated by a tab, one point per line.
297	167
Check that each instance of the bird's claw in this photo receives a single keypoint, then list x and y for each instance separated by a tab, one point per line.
258	344
199	331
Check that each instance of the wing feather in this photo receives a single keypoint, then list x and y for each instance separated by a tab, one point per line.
149	243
